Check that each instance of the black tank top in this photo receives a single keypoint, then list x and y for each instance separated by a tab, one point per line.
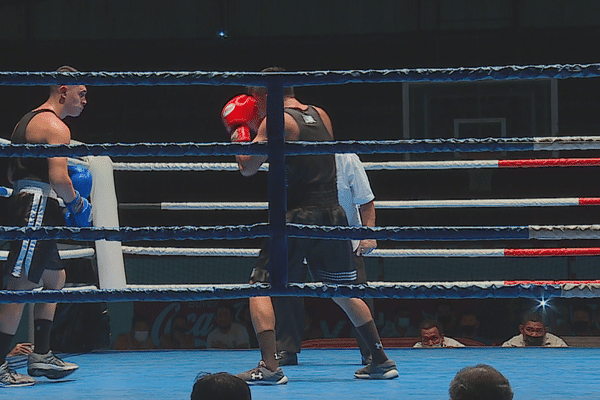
311	179
33	168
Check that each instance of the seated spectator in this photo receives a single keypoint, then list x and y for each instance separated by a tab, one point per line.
581	321
138	338
221	386
469	328
432	335
399	326
227	334
481	382
559	319
445	315
179	336
534	332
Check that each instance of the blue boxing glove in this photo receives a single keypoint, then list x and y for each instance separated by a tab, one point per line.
79	212
82	180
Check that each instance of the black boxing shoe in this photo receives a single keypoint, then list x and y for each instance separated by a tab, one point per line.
286	358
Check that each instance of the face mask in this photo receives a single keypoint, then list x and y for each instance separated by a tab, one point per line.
468	330
534	341
403	322
141	336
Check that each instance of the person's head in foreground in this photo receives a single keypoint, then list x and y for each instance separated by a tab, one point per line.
220	386
481	382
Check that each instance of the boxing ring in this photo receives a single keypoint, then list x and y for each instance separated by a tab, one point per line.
423	373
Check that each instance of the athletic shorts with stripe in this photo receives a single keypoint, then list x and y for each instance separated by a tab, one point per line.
30	256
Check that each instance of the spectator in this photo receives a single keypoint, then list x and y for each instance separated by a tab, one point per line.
220	386
227	334
469	328
432	335
481	382
534	332
399	326
559	319
138	338
179	336
445	315
581	322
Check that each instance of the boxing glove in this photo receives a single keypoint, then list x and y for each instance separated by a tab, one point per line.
79	212
236	116
82	180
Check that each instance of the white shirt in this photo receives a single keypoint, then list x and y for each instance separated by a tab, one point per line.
353	188
549	341
447	342
237	336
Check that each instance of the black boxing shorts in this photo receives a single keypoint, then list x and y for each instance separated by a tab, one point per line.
329	260
31	207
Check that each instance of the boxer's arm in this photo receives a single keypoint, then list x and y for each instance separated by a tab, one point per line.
55	131
367	216
249	165
57	166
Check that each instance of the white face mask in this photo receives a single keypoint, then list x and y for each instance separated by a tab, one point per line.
141	336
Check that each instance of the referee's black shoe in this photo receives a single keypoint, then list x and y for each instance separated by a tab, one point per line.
286	358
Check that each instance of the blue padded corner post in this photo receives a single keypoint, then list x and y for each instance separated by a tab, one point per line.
278	260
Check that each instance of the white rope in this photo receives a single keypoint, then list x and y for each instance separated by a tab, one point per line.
194	252
456	164
380	204
386	253
64	254
574	201
369	166
214	206
180	167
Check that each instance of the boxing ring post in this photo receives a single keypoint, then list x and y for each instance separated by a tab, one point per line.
277	191
109	254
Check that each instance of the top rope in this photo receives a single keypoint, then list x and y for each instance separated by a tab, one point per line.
302	78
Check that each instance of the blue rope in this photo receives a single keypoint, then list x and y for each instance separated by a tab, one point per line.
302	78
142	233
398	291
297	148
441	233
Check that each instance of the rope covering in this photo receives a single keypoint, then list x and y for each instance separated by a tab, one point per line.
376	166
407	146
302	78
64	254
379	253
396	290
434	233
380	204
